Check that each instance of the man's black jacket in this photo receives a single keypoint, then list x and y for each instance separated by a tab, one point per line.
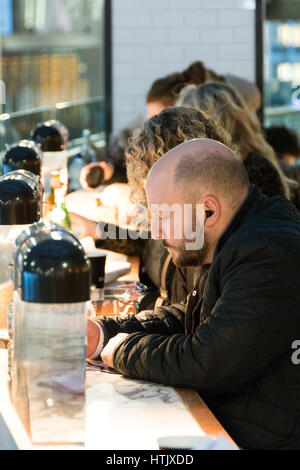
232	339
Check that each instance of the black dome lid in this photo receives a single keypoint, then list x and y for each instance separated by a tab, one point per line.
49	136
36	229
23	156
53	267
20	199
63	129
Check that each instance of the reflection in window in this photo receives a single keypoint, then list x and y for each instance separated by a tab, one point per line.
52	64
282	72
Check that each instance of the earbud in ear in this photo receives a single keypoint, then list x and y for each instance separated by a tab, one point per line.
209	214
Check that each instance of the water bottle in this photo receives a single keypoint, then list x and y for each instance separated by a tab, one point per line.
20	206
52	280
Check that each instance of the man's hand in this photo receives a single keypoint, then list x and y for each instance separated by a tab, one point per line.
83	226
93	337
108	352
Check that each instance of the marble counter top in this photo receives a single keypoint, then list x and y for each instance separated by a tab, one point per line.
121	414
128	414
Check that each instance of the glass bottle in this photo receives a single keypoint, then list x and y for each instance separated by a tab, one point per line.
55	184
60	214
88	152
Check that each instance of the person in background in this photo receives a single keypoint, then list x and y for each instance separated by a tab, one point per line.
164	91
232	338
163	94
221	101
285	143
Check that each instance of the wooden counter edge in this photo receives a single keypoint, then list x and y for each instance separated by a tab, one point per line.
202	414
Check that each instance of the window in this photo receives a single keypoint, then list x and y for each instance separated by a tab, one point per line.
53	65
282	63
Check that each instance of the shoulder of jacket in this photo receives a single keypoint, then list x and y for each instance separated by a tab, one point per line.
260	245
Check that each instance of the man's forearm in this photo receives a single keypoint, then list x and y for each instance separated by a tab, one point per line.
164	320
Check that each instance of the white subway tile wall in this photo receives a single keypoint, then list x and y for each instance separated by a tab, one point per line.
152	38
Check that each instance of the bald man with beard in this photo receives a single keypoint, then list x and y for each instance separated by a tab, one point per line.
232	338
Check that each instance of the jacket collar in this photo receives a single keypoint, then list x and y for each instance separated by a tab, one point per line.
250	206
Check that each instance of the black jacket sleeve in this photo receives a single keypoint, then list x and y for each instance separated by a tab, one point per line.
163	320
252	323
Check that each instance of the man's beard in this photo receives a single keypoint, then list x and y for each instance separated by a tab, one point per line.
184	258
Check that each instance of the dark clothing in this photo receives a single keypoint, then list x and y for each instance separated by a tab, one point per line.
264	175
232	339
293	173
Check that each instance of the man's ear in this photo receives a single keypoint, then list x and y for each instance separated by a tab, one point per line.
212	211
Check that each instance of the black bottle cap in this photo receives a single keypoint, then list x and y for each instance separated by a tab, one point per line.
20	199
23	156
49	136
95	177
53	268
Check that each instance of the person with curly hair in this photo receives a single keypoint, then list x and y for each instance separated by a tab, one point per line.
161	133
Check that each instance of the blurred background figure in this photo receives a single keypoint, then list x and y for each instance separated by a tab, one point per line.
285	143
164	91
221	101
163	94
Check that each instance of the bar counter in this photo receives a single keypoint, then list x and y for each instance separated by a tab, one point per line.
121	414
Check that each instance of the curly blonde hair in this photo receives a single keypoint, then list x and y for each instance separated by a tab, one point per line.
224	103
162	133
